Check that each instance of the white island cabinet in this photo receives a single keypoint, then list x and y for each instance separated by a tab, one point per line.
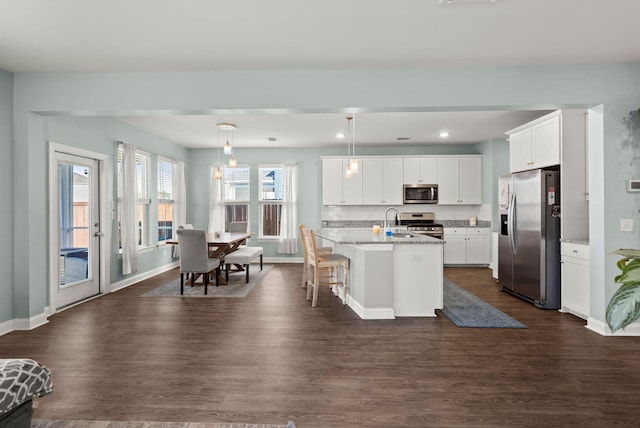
390	276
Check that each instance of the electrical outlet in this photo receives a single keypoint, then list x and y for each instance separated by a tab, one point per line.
626	225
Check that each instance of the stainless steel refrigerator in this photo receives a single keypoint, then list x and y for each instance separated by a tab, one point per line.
529	239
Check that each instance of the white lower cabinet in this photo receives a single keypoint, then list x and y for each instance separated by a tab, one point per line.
455	248
575	286
467	245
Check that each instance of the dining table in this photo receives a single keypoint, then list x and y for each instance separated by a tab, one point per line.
221	244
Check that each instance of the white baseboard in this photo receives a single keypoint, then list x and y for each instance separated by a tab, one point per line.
281	260
24	323
142	276
603	329
370	313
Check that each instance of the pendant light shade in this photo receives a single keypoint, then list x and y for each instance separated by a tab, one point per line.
353	165
227	149
218	173
347	171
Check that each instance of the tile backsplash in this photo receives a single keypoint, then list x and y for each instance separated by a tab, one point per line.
371	212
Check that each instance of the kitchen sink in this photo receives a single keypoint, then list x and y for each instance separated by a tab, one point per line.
402	235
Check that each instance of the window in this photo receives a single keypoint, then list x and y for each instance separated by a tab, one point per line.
165	198
142	191
236	195
270	200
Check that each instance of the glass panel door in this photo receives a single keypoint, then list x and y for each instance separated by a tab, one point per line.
79	229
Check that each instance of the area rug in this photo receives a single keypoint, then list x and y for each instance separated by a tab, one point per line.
237	286
48	423
467	310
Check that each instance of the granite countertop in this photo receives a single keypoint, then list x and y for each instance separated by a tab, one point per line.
370	223
464	223
359	236
581	241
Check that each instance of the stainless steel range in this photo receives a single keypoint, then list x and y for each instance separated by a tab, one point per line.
422	223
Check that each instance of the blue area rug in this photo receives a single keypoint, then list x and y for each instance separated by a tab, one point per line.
466	310
237	286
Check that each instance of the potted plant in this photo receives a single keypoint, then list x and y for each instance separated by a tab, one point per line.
624	306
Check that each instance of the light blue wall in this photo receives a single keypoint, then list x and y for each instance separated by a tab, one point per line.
495	163
6	189
101	134
616	86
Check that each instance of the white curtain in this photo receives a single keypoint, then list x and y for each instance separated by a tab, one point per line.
179	195
128	209
289	216
216	217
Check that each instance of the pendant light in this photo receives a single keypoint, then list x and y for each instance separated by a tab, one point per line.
353	163
347	171
227	149
218	171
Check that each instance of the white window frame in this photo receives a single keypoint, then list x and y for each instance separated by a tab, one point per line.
235	201
262	202
161	200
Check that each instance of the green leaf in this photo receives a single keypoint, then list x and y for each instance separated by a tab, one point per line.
622	263
628	253
624	307
631	273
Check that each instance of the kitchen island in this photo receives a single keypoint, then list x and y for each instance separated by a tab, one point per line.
390	276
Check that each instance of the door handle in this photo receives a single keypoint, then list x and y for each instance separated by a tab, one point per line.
511	224
98	234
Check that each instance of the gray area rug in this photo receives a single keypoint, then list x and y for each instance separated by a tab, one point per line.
466	310
48	423
237	286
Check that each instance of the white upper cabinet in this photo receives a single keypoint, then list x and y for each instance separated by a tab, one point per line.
560	139
420	170
520	150
336	188
535	146
459	180
545	143
382	181
448	181
471	181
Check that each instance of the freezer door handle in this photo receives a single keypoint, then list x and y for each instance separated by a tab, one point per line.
511	224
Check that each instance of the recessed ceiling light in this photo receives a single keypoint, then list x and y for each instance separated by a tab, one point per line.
403	138
272	139
444	134
340	135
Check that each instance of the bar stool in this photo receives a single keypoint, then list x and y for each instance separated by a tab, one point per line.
305	259
317	262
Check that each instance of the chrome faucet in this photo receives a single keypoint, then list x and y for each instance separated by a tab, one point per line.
386	212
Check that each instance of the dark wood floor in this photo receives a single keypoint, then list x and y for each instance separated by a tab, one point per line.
270	357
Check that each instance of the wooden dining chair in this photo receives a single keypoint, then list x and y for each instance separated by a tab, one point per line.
194	257
305	257
317	262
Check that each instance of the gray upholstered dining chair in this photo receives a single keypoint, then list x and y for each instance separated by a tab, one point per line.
194	257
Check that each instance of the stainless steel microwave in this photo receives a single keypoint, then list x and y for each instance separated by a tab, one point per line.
420	193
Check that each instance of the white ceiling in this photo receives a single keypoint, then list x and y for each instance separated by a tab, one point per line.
44	36
320	129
